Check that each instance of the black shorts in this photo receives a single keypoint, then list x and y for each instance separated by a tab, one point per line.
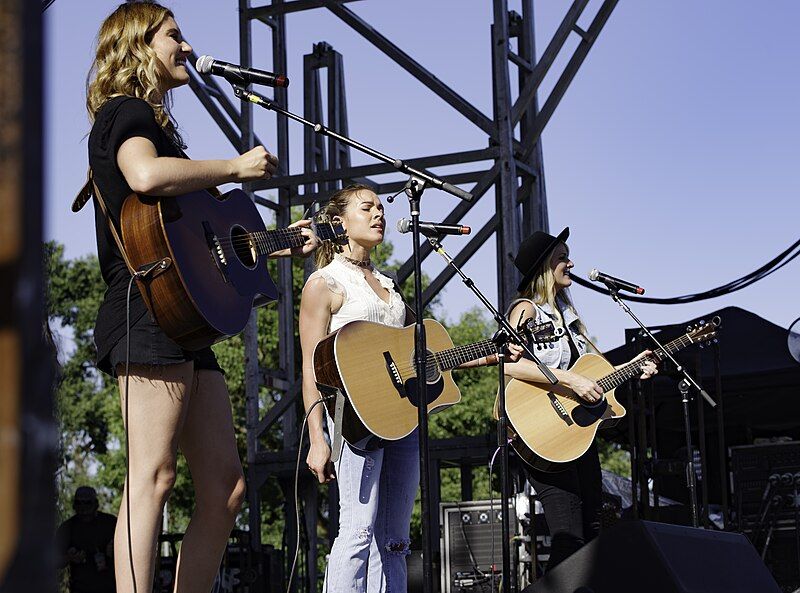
150	345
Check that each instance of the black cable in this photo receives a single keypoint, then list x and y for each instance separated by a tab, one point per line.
770	267
125	422
491	511
472	559
296	495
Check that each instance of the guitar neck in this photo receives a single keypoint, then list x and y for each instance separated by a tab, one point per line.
449	359
633	369
276	240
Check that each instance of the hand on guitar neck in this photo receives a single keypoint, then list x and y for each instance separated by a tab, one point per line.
648	364
304	250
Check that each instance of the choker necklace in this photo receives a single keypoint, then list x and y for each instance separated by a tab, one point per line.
361	263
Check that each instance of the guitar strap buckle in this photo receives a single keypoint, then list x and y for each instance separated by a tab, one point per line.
153	269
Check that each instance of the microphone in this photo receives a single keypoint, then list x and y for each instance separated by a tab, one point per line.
238	74
433	229
598	276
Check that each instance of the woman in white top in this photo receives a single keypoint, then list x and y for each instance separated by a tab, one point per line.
377	486
369	552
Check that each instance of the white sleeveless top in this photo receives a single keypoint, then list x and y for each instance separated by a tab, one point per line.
361	302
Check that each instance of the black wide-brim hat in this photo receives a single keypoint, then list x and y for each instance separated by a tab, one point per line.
533	251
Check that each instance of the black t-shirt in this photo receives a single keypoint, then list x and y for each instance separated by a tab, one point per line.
118	120
94	572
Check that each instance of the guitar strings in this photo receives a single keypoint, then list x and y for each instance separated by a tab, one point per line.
453	357
624	373
266	241
449	359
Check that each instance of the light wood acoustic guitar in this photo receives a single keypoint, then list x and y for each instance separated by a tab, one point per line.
549	425
373	366
214	252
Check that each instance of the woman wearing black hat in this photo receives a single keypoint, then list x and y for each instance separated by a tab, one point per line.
571	498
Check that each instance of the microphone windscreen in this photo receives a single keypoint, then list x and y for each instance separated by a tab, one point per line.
594	274
404	225
203	64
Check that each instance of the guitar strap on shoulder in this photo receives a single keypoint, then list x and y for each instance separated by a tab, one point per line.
592	344
409	310
90	189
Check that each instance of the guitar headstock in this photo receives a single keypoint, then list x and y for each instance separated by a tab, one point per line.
703	331
540	333
327	230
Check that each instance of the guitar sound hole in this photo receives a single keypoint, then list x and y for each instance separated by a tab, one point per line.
244	247
432	371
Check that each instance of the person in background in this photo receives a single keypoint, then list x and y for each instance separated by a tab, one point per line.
86	545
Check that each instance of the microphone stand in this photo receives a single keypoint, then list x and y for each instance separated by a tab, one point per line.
511	335
683	387
417	183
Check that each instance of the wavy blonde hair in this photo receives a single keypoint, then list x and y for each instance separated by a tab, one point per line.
126	65
542	289
336	207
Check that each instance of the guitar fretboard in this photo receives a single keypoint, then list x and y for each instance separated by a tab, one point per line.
275	240
447	360
633	369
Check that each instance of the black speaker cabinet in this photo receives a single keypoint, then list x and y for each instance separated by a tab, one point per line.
638	556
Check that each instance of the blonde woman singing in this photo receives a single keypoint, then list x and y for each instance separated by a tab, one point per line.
571	498
178	398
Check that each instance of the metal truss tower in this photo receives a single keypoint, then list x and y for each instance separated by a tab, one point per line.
516	173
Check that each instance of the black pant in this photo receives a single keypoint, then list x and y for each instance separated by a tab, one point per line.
572	501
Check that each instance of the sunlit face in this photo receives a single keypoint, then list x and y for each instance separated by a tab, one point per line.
561	266
363	219
172	52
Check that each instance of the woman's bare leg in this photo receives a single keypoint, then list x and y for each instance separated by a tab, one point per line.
156	412
209	445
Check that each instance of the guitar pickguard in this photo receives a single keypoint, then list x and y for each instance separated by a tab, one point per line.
435	389
584	415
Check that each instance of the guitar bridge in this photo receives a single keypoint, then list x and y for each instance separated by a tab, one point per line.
214	245
394	374
559	408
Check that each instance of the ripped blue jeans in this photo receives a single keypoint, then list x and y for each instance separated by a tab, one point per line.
376	496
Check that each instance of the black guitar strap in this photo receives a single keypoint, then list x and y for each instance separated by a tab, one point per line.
147	271
88	190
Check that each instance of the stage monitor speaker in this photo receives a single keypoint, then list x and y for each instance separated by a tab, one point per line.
637	556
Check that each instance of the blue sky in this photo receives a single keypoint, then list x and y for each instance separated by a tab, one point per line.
673	156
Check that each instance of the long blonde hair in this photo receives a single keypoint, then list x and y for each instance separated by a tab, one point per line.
125	64
542	289
335	207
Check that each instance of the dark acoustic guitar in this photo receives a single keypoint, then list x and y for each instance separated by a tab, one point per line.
551	425
373	366
213	253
